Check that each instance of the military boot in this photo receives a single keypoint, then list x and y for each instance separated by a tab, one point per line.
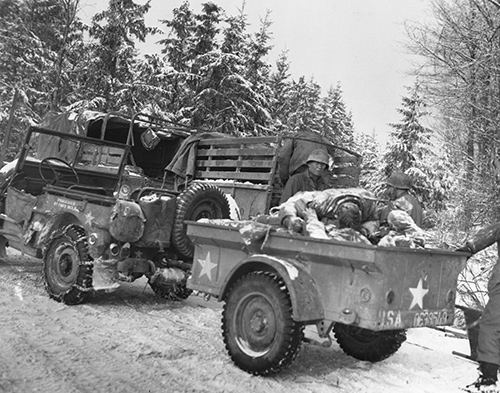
487	381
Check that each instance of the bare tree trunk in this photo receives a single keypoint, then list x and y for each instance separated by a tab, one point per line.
8	130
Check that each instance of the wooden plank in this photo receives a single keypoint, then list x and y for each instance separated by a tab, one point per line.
346	171
238	141
235	163
228	175
346	160
246	152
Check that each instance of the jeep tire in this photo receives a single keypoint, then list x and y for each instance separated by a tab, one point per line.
200	200
67	268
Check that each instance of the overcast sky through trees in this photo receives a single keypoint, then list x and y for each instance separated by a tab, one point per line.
358	42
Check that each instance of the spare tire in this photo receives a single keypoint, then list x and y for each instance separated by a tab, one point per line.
200	200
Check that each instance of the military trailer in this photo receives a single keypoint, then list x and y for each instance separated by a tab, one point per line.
274	285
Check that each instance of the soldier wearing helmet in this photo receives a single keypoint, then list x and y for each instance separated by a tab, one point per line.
309	180
398	187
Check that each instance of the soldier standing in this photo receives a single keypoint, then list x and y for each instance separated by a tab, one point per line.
398	187
309	180
488	347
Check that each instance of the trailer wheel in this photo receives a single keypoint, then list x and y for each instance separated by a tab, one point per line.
67	267
259	332
364	344
201	200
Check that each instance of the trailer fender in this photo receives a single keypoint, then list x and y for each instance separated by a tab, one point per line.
304	295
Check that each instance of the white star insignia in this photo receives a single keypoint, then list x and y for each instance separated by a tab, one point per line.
206	266
89	218
418	294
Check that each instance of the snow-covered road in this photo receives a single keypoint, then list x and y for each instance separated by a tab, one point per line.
130	341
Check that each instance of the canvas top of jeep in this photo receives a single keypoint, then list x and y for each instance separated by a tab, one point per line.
153	141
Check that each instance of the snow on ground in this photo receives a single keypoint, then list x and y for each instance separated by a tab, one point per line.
130	341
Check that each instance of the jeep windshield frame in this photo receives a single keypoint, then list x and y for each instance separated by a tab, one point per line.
76	151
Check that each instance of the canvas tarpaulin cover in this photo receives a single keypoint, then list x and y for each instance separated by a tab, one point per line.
72	122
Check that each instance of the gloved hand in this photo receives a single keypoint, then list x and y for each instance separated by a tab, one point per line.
468	248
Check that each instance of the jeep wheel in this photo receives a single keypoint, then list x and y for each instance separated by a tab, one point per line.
259	332
364	344
201	200
67	268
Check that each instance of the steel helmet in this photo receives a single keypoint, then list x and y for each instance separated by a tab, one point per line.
399	180
318	155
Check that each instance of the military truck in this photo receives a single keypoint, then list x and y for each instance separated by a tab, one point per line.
275	284
104	200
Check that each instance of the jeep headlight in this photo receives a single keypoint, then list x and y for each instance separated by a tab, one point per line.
124	191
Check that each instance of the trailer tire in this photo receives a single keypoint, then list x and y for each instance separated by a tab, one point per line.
257	326
364	344
67	268
200	200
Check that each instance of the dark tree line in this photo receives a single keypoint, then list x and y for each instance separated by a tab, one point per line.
211	71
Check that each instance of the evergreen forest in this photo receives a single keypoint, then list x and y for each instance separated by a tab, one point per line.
213	71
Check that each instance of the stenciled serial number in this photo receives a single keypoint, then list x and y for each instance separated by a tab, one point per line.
430	318
397	319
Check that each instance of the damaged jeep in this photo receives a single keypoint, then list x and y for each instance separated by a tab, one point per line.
98	208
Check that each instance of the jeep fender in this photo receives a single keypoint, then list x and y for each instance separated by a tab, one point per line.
47	227
304	295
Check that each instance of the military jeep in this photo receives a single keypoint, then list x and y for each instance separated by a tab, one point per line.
99	210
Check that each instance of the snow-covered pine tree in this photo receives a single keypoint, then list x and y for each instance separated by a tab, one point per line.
226	100
258	74
179	54
257	68
336	122
412	151
370	177
214	91
191	40
280	84
304	106
39	42
178	45
113	54
154	92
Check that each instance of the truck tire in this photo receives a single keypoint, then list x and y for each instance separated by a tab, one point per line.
364	344
67	268
257	326
201	200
